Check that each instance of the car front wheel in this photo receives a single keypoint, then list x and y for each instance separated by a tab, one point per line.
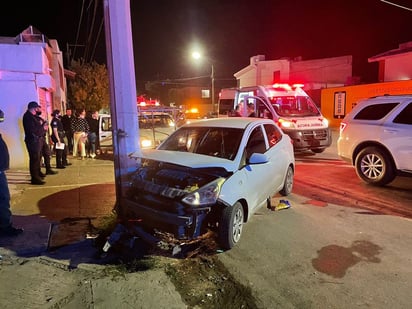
230	226
374	166
288	183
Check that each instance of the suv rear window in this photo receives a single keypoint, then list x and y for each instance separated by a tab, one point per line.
375	112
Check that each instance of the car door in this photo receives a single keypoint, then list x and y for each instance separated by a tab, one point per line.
105	131
260	178
398	137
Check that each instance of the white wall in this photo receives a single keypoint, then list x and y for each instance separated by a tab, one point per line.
23	69
398	68
14	97
23	58
267	68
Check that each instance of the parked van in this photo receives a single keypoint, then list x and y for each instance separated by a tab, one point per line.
291	108
154	127
226	101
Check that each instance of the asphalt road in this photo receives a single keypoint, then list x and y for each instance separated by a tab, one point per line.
328	178
324	256
342	244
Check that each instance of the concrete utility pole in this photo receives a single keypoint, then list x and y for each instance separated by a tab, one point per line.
120	64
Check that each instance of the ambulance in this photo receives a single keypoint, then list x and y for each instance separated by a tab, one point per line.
291	108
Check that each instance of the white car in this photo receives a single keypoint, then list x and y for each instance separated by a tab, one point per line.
376	137
210	174
154	127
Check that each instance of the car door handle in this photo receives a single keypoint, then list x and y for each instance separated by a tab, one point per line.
390	131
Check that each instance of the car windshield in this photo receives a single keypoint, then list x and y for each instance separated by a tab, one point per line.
157	121
296	106
211	141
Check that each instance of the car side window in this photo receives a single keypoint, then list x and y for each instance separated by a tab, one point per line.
256	142
375	112
106	124
273	133
404	116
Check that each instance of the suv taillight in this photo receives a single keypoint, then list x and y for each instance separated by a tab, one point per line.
342	127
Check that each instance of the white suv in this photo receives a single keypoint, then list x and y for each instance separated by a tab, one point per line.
376	137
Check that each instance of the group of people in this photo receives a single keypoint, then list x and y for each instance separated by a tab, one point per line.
82	132
35	131
77	135
238	112
69	135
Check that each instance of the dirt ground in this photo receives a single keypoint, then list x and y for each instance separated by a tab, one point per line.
141	277
196	273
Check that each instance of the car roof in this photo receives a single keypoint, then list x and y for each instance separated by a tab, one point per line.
228	122
386	98
377	100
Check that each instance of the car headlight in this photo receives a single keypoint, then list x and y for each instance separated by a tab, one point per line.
146	143
205	195
325	122
286	124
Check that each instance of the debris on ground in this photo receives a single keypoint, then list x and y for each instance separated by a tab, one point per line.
283	204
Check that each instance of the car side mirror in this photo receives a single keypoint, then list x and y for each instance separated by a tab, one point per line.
258	158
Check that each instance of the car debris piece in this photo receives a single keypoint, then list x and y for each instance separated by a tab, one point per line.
283	204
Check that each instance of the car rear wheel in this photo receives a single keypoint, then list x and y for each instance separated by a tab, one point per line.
374	166
230	226
288	184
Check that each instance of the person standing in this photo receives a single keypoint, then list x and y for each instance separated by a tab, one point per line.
57	137
251	110
6	226
92	137
34	139
80	129
45	149
67	126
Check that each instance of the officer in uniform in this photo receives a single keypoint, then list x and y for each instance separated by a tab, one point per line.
57	137
34	139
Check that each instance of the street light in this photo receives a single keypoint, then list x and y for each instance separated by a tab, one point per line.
197	55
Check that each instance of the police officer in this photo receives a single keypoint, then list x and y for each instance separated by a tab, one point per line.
34	139
57	137
45	150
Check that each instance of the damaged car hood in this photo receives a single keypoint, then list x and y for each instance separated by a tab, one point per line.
187	159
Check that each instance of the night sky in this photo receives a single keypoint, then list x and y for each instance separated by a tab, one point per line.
229	32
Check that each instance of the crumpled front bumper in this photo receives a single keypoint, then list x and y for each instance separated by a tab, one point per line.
186	224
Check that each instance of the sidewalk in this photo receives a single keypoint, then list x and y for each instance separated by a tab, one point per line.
78	195
53	264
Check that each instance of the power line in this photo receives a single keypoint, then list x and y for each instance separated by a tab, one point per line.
397	5
78	33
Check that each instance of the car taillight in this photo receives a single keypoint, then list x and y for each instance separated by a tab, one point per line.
342	127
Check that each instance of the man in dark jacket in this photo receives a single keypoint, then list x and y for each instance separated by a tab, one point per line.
67	123
34	139
6	227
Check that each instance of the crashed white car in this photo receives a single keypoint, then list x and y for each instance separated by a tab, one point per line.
212	174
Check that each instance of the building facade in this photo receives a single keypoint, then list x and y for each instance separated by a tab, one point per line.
315	74
395	64
31	69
